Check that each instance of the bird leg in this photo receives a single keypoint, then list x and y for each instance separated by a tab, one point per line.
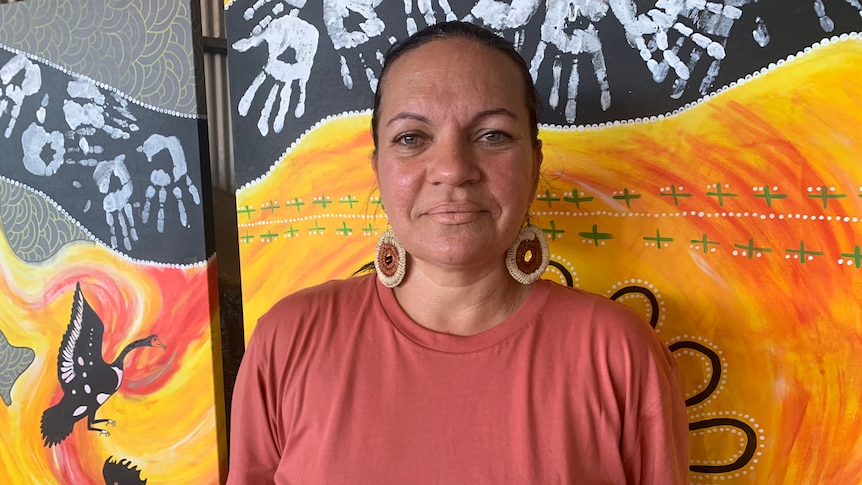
91	420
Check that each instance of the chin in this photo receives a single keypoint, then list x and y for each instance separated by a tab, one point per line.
465	255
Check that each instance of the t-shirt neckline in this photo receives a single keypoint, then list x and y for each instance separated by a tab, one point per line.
457	344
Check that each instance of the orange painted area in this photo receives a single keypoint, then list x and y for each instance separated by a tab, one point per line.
741	215
168	408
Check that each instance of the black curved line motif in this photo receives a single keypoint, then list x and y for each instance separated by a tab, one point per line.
712	385
570	282
714	379
747	454
653	301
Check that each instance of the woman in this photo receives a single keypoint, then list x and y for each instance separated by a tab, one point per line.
455	364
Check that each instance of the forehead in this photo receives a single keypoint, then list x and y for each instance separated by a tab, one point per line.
454	68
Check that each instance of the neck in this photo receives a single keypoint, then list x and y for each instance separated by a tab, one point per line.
118	362
460	303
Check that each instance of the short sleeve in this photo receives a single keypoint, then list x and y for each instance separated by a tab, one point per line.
254	450
661	452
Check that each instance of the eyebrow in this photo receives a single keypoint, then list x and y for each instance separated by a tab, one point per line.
406	115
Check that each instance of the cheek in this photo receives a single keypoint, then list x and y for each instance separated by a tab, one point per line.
397	187
515	188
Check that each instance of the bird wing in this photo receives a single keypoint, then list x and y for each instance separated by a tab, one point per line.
81	347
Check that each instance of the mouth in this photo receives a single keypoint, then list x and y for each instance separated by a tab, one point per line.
455	214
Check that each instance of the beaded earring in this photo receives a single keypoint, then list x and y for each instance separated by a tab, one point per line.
390	260
527	258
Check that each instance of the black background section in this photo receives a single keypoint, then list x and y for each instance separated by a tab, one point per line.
792	24
73	185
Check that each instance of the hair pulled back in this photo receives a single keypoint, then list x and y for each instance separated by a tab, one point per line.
460	30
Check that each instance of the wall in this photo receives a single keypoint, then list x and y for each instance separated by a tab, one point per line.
701	163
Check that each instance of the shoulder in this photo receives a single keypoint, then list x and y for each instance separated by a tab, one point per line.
608	328
334	291
315	306
593	308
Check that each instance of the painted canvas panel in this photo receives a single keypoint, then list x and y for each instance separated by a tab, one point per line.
109	372
701	166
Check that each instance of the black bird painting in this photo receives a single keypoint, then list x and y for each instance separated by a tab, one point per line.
86	379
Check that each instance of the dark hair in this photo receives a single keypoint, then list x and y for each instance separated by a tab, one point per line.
460	30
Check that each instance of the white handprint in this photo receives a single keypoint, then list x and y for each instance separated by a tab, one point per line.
649	32
161	181
426	8
826	22
501	15
560	16
357	42
118	209
12	95
280	35
93	110
35	138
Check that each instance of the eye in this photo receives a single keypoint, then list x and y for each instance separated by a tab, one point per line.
410	139
494	137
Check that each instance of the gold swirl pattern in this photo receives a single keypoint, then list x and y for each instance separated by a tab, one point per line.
143	49
36	230
13	362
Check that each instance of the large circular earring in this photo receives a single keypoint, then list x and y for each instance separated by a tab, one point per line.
390	260
527	258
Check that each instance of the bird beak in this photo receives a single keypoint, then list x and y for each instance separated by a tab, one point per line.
160	345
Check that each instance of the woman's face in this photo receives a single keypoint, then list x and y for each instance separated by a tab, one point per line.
455	163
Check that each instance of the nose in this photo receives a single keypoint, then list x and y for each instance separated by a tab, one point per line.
453	163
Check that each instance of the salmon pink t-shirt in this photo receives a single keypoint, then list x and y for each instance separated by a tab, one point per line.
340	386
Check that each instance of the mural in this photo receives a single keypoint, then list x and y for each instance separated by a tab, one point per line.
106	259
701	166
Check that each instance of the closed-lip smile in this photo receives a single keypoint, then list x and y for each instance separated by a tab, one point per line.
454	213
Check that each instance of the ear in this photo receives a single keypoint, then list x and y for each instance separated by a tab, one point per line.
374	165
538	158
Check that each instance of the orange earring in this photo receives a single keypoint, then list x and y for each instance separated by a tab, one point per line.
390	260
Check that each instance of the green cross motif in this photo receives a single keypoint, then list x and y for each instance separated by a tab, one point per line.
704	242
856	256
750	248
804	253
595	235
628	197
296	203
317	229
350	200
658	240
546	197
344	230
271	207
247	238
676	195
720	194
323	201
825	196
769	196
247	210
576	198
553	231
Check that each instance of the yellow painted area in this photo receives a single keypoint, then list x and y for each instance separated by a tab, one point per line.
168	408
742	215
